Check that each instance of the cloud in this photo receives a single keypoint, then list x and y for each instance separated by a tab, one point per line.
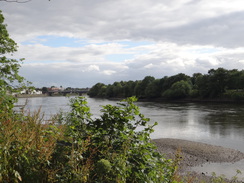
148	66
109	72
80	43
93	68
159	61
122	19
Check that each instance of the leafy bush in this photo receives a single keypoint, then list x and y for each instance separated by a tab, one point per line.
114	140
235	95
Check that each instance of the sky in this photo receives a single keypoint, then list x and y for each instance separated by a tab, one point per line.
78	43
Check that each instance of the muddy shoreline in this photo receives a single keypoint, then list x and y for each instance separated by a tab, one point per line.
196	153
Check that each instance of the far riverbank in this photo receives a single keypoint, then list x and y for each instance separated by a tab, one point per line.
185	100
43	95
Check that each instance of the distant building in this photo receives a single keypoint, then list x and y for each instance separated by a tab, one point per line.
28	91
54	89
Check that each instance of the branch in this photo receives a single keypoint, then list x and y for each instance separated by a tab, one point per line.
16	1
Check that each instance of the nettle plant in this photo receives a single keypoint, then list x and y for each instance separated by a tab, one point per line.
111	148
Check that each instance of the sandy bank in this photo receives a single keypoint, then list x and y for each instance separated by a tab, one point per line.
196	153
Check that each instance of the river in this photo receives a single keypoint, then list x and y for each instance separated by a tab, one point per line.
212	123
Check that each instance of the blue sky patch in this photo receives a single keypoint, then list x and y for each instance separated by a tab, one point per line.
57	41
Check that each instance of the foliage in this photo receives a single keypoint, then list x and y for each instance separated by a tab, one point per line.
116	147
215	84
9	68
235	95
180	89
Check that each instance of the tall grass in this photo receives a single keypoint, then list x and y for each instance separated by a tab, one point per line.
26	147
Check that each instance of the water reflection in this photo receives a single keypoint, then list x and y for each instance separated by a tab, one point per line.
217	124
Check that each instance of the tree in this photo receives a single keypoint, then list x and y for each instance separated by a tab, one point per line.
169	81
153	90
94	91
44	90
234	80
9	68
117	89
202	84
141	86
217	81
180	89
129	88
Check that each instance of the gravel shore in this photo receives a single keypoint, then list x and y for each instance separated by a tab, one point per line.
196	153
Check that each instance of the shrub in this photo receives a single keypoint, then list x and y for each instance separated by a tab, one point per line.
115	140
235	95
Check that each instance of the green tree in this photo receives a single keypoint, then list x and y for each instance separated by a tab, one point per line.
153	89
242	80
129	88
195	80
141	86
234	79
110	91
9	68
44	90
117	89
137	89
202	84
180	89
218	80
94	91
169	81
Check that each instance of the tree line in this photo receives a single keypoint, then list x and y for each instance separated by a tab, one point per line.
217	83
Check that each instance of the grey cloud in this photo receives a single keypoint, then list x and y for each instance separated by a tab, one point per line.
173	21
225	31
120	20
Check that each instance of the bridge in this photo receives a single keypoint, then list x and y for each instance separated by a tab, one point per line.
79	92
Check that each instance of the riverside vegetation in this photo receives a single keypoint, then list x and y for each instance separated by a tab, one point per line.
220	84
81	149
74	147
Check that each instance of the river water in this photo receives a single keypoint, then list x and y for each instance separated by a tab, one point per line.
212	123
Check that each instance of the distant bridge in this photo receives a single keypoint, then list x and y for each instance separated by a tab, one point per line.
79	92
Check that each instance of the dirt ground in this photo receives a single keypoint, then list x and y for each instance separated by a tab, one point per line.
195	153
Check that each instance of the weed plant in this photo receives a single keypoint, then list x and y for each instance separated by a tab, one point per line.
26	147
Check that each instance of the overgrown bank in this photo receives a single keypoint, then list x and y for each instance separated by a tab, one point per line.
77	148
